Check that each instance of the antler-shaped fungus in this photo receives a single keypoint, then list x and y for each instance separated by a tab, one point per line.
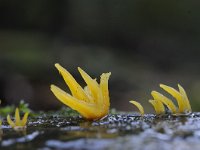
159	101
92	102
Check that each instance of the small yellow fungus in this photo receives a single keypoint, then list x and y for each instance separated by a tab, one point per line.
180	96
18	124
186	100
159	101
158	106
138	105
92	102
159	97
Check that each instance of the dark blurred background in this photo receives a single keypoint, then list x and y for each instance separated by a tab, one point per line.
142	42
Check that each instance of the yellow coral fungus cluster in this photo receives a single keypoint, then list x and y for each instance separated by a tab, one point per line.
18	124
159	101
92	102
138	105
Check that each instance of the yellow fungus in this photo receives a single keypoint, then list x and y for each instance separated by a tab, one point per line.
138	105
92	102
182	91
158	106
18	124
159	97
181	98
159	101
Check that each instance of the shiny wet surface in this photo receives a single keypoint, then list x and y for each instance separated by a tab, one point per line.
127	131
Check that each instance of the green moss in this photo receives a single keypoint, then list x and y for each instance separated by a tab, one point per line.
24	107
